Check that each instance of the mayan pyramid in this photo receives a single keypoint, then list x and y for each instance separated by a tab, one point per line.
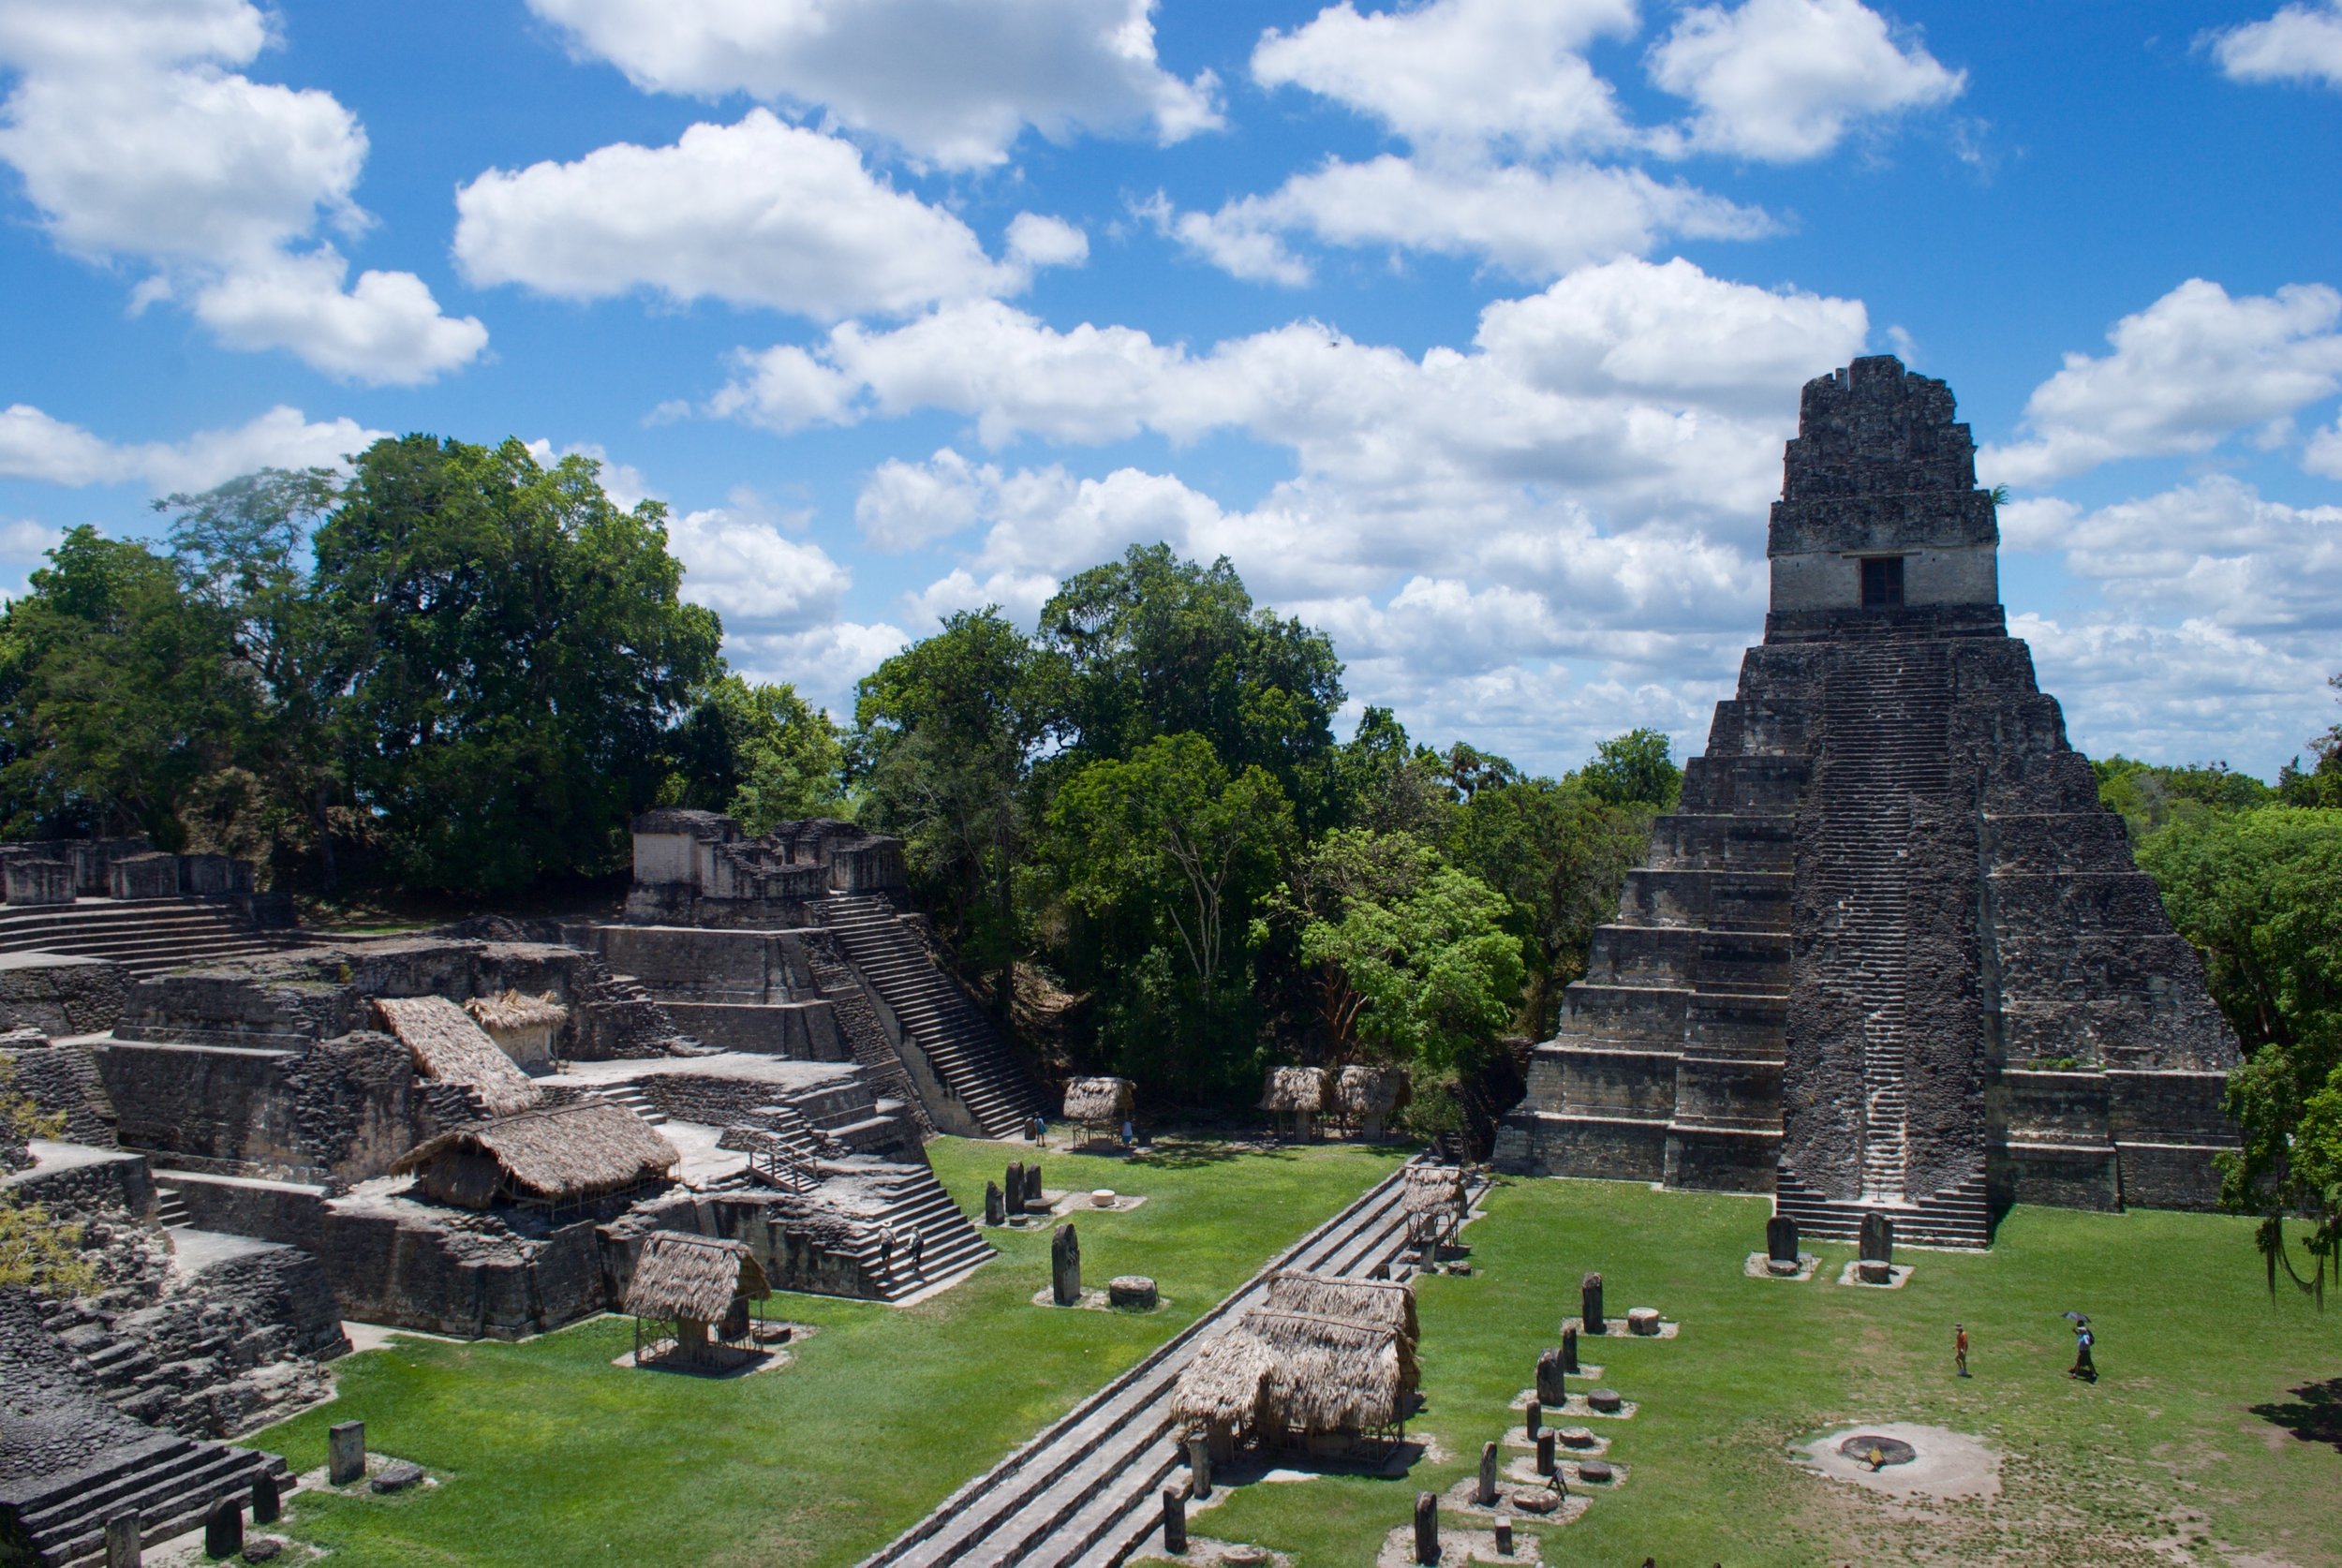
1890	953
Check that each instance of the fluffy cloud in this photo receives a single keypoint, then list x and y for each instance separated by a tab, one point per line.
762	581
1782	80
2301	43
34	446
1645	386
761	213
950	81
2187	372
823	662
137	143
1529	222
1508	71
2323	452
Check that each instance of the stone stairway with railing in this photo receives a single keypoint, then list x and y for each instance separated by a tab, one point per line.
145	936
965	1053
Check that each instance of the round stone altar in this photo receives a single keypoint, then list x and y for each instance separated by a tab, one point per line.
1607	1400
1131	1293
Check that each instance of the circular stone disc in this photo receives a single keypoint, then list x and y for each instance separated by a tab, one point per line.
1892	1451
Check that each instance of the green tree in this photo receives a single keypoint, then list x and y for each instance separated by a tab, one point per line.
120	692
2321	785
947	733
1168	853
2259	893
1414	959
242	552
1386	782
517	651
2149	796
1154	645
1559	855
1637	768
759	753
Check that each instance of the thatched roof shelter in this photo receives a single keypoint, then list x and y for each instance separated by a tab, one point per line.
696	1279
1435	1190
1361	1091
1295	1088
450	1049
1220	1391
567	1154
1376	1303
1099	1098
513	1010
1331	1375
1324	1357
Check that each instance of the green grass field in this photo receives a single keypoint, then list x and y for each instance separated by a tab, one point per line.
550	1454
2167	1447
2182	1452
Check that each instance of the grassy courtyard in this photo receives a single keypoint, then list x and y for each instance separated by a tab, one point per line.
2183	1451
2173	1456
550	1454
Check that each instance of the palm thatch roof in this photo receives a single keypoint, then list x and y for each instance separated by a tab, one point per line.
451	1049
1377	1303
1220	1388
1099	1098
1361	1090
514	1011
1434	1190
1295	1088
678	1275
562	1155
1331	1374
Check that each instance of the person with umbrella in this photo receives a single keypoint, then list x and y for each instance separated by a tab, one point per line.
2083	1368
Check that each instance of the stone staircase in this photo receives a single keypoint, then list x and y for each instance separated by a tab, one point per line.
629	1096
172	1481
170	1207
1886	720
949	1246
145	937
1958	1216
967	1057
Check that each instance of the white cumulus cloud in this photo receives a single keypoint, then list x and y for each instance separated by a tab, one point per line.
1529	222
956	81
136	143
2186	373
1510	71
1784	80
36	445
2300	43
762	581
761	213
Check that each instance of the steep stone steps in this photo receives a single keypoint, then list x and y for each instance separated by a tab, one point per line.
969	1059
1958	1216
632	1097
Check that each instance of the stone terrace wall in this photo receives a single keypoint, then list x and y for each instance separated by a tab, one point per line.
61	996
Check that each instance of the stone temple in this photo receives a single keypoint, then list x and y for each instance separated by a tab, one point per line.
1890	953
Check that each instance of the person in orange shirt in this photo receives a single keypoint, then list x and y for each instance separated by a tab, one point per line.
1960	1348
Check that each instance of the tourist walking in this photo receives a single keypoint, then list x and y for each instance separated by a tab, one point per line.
2083	1368
1960	1349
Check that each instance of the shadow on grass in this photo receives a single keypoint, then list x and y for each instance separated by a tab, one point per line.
1173	1152
2314	1414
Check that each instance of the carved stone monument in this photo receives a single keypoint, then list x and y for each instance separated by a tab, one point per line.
1590	1302
1781	1244
123	1547
267	1505
995	1204
1174	1519
1569	1350
1551	1388
1545	1453
346	1452
1888	894
1426	1527
223	1528
1065	1268
1484	1491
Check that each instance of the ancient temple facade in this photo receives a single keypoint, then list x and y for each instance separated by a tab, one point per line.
1890	953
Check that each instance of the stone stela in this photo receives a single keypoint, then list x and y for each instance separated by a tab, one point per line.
1889	954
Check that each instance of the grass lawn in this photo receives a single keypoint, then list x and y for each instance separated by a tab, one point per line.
2185	1440
550	1454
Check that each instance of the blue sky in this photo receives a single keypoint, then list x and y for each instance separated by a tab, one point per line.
1470	331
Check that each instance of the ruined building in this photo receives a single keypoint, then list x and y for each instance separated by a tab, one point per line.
1891	953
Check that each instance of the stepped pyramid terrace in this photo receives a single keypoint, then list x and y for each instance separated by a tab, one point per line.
1889	954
